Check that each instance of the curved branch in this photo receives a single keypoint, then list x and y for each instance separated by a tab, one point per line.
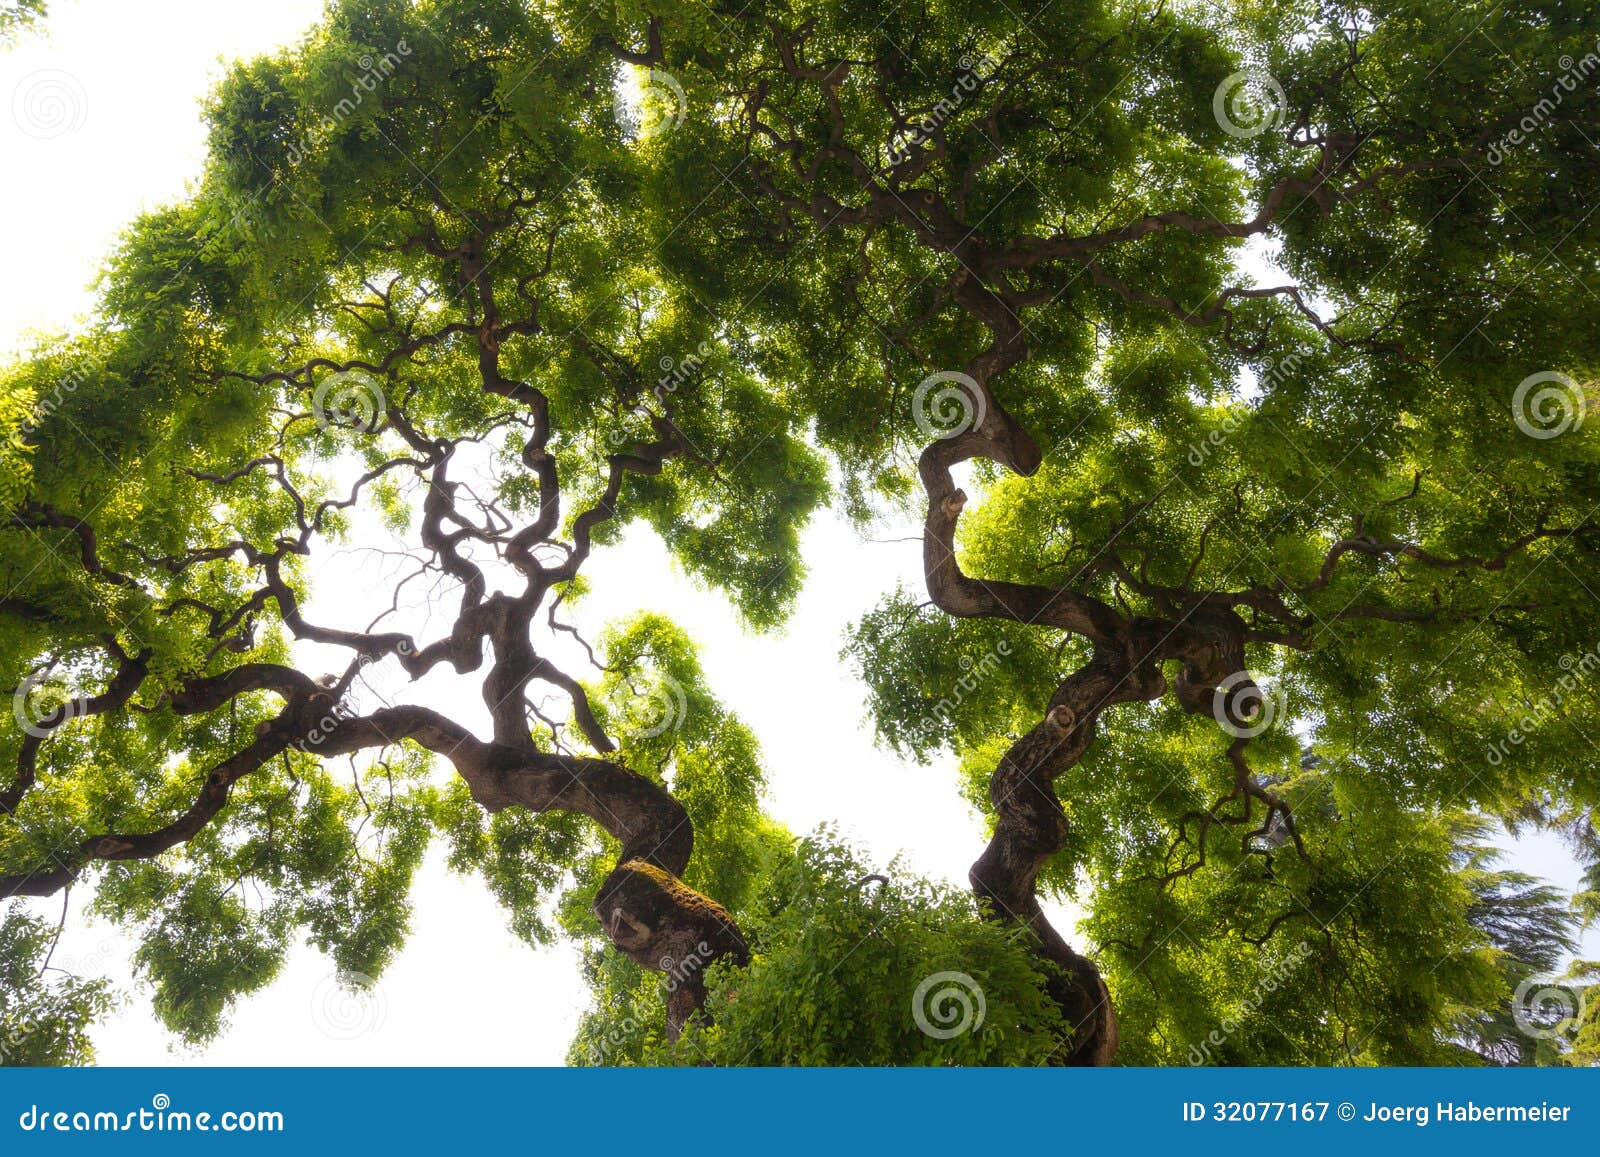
643	906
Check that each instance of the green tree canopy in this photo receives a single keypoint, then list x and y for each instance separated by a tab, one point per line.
17	16
1235	358
1268	353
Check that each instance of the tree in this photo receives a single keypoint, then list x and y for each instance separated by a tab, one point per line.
1362	473
18	16
1530	928
1263	351
43	1020
315	334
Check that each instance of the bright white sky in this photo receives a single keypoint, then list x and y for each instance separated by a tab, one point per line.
464	991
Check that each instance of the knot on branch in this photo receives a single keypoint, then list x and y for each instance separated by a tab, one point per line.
651	915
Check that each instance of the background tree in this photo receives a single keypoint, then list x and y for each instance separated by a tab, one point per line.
17	16
45	1013
1265	332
